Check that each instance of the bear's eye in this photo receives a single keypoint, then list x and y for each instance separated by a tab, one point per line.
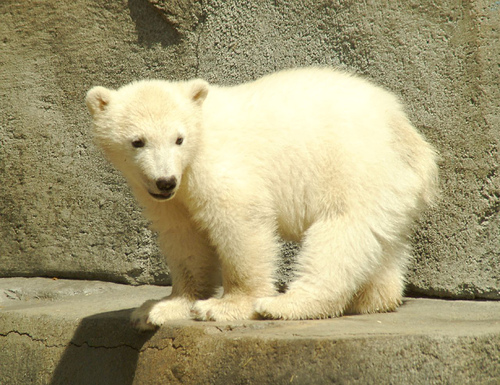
137	143
179	140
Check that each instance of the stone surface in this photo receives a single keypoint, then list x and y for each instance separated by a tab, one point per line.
77	332
64	212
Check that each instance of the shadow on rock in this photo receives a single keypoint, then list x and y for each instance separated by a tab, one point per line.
151	27
103	350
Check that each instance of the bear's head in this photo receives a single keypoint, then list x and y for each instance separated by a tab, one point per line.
149	130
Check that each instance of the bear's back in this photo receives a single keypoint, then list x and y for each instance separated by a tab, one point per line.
314	139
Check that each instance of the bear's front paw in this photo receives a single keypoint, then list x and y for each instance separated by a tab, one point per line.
139	319
224	309
153	314
270	308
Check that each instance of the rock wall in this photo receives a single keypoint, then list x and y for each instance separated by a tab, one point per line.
65	212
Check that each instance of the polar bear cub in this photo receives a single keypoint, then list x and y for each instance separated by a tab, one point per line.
316	156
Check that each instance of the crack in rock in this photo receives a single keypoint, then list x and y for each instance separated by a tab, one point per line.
65	345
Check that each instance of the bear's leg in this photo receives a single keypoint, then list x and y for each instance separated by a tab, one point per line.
195	275
247	253
383	292
337	257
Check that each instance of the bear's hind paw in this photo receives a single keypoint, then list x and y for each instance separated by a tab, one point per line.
285	307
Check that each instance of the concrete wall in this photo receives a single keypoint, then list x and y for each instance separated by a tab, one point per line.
65	212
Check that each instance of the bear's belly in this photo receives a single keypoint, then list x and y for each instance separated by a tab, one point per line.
292	225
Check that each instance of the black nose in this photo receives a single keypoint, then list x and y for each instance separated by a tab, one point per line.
166	184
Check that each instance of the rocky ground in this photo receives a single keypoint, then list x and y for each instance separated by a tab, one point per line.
77	332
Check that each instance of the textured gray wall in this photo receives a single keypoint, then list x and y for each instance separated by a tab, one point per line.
65	212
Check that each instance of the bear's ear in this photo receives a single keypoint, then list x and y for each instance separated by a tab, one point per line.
98	99
198	90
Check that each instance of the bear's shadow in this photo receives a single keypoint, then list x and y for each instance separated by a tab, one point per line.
104	350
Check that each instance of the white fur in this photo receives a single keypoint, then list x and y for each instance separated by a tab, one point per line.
312	155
